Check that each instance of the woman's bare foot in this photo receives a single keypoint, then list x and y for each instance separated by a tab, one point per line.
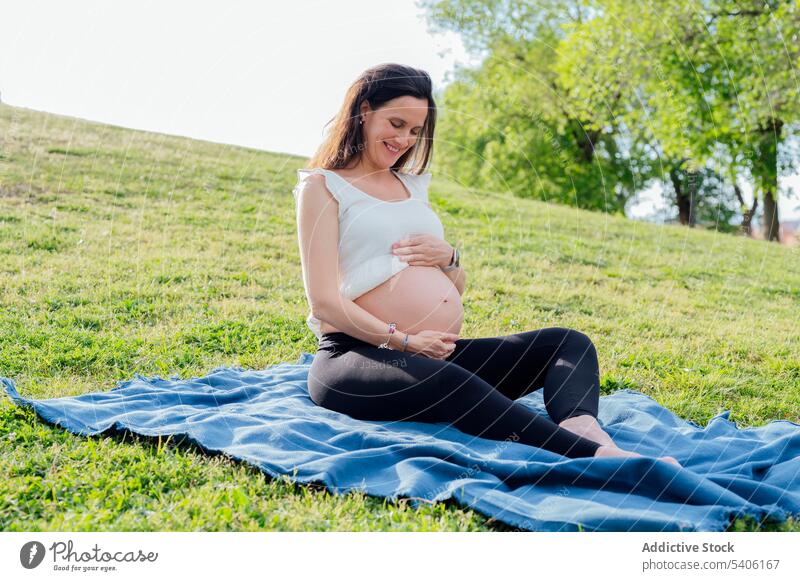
587	427
614	452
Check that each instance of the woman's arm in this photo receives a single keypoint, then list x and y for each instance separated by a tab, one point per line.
318	234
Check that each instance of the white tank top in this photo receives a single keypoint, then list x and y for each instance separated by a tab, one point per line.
367	229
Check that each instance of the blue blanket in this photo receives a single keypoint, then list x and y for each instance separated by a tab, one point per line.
265	417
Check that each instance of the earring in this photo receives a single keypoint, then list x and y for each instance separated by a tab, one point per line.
361	121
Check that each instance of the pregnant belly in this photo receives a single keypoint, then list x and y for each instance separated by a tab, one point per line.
418	298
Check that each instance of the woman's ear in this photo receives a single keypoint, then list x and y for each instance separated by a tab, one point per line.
364	109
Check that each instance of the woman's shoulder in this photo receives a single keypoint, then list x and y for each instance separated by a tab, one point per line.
306	172
305	177
327	180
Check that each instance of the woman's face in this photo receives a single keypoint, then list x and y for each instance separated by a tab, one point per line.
392	130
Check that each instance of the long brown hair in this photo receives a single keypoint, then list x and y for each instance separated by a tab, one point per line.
377	85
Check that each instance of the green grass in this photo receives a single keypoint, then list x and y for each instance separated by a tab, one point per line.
126	252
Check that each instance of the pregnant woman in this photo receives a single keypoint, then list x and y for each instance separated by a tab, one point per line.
385	290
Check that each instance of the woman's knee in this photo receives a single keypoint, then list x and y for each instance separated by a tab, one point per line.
575	338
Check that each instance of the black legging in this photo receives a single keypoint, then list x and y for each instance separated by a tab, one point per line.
473	389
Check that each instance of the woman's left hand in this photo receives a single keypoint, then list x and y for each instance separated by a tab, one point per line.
423	250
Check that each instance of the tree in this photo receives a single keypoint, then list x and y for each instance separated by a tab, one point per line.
505	124
713	82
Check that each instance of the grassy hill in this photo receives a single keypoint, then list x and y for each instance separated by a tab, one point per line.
130	252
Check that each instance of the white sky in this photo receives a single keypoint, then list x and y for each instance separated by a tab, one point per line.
262	74
267	75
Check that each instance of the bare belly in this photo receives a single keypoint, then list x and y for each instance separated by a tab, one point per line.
418	298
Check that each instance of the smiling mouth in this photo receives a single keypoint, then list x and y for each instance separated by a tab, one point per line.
389	147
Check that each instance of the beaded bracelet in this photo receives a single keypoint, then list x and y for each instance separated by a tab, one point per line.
392	327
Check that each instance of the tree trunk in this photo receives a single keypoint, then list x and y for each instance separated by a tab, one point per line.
767	177
685	195
747	213
585	139
771	220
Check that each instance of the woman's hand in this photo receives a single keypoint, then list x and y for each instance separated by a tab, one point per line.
423	250
433	344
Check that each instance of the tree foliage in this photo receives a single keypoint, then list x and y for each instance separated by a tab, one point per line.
506	124
586	102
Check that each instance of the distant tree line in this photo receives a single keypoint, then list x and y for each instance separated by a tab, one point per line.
589	102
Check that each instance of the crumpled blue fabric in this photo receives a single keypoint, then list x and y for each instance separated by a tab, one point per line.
266	418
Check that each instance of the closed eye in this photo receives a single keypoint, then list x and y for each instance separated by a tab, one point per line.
401	124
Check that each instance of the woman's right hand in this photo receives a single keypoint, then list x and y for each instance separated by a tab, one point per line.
433	344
